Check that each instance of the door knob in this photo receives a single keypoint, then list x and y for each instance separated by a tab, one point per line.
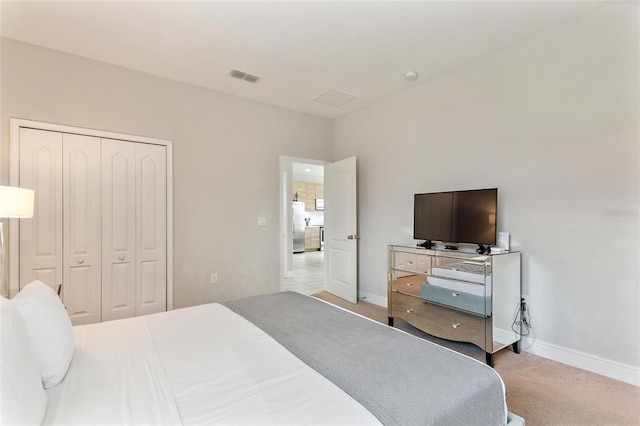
352	237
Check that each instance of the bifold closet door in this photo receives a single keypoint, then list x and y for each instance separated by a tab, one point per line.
60	245
118	229
151	229
41	236
82	260
100	223
134	277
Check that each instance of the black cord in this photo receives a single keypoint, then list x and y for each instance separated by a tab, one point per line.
521	318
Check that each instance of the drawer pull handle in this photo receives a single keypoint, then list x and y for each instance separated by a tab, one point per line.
455	293
409	310
456	325
120	257
409	262
80	261
410	283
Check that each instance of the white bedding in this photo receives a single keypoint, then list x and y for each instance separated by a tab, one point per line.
199	365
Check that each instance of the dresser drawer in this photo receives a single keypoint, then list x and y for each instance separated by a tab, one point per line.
438	320
455	298
410	284
411	262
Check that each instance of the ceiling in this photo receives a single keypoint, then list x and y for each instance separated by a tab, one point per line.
299	49
313	173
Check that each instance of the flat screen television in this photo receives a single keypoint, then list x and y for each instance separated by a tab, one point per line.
456	217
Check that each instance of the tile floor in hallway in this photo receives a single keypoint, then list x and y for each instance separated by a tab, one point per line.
308	273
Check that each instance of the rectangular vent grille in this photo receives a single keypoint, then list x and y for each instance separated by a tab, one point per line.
334	98
241	75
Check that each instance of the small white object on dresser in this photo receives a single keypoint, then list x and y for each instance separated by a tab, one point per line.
503	240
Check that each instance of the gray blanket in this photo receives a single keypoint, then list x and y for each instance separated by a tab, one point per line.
401	379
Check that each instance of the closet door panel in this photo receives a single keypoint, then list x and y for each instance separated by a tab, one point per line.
151	229
118	229
82	228
149	293
78	295
122	295
40	162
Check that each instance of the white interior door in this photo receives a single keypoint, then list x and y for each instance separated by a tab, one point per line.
341	229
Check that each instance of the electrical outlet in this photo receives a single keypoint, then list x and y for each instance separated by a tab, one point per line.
214	278
524	311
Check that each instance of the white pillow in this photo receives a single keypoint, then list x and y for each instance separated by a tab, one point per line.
49	329
22	398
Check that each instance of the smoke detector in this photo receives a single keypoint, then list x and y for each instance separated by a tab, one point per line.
411	76
241	75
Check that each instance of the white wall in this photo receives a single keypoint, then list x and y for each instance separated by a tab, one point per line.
552	121
226	157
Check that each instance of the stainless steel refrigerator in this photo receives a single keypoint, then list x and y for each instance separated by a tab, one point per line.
298	226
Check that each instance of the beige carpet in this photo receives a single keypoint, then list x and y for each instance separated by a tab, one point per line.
544	392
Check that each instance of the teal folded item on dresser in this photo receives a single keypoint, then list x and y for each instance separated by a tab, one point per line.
454	298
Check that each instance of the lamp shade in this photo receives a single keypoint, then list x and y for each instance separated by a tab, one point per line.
16	202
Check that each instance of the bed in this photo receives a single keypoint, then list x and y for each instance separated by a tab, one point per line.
282	358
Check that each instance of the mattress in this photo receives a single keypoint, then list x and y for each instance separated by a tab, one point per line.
276	359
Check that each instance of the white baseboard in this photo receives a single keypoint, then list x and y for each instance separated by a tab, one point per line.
372	298
603	366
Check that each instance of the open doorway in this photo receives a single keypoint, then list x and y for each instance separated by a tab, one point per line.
302	221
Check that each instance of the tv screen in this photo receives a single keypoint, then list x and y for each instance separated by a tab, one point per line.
456	216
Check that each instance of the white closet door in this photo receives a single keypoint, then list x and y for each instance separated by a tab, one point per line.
41	236
118	229
151	229
82	228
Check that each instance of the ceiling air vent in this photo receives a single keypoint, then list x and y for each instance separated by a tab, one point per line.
241	75
334	98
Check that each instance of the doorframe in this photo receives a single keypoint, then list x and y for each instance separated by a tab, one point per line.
14	179
286	234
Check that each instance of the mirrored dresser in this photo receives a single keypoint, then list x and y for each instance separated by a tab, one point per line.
456	295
